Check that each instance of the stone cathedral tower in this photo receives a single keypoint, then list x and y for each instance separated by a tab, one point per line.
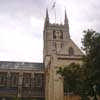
59	50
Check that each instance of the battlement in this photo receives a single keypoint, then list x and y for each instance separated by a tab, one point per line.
49	25
56	25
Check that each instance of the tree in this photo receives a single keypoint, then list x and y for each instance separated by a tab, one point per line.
71	76
84	80
91	46
74	80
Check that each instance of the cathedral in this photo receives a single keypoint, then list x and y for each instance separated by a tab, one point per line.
40	81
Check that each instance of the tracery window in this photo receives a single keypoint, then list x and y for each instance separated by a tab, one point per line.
14	77
38	81
61	36
26	79
37	85
54	36
57	34
3	78
71	51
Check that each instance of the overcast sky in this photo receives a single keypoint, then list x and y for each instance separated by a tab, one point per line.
22	22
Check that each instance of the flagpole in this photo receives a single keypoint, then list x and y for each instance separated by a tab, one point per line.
55	14
54	7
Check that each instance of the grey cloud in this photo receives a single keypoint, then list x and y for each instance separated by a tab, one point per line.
26	7
82	14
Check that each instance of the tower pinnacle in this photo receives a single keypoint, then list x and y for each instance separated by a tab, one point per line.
66	22
47	17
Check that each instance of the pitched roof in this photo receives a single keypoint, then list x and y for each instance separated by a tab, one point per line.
20	65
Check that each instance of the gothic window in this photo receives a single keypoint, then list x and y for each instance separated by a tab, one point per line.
57	34
54	35
14	79
3	78
54	45
38	80
61	45
71	51
61	36
26	79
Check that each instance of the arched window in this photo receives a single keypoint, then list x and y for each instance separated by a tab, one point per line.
61	36
57	34
71	51
54	36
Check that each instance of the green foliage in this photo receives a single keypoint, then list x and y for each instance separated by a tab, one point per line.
81	79
91	45
71	76
91	65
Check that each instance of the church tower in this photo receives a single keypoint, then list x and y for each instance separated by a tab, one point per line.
55	36
59	50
